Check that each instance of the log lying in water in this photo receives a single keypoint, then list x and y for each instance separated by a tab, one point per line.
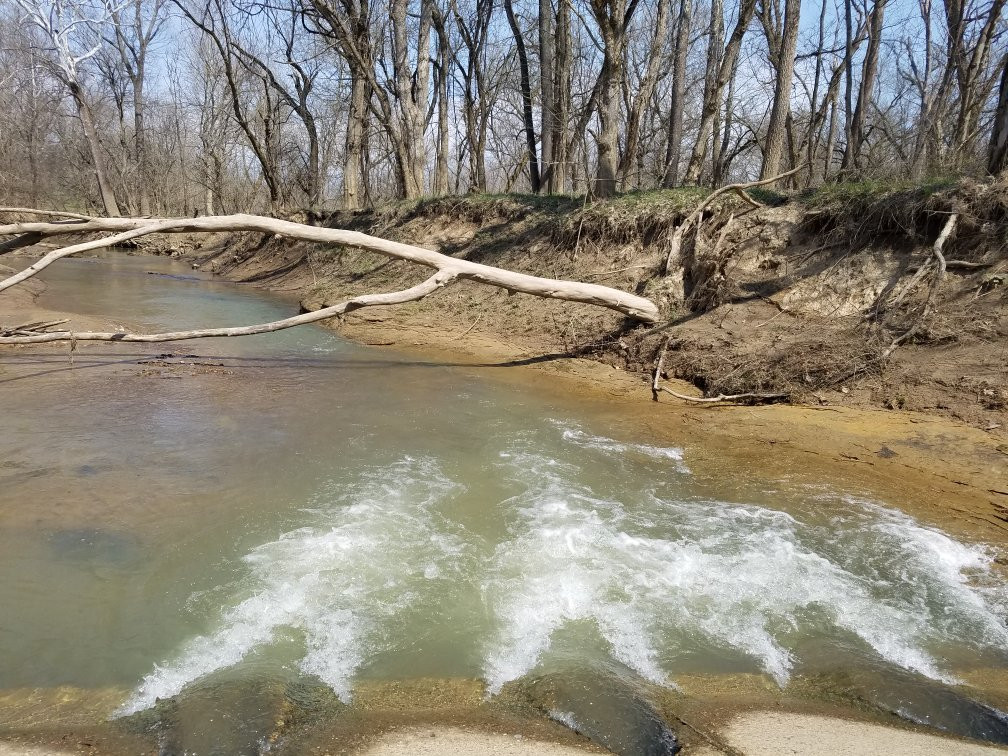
449	269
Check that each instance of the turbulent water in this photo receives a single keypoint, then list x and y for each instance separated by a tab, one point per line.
298	508
654	580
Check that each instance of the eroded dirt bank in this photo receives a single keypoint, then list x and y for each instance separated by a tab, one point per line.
802	296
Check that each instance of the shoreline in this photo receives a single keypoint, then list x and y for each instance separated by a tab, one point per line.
944	471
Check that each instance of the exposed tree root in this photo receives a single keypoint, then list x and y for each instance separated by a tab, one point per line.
659	373
693	219
755	398
926	310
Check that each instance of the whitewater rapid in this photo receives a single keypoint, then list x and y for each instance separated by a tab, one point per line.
660	578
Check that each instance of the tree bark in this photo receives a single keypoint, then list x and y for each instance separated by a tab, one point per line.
712	98
562	98
645	91
855	136
997	155
774	149
526	94
613	18
354	141
547	99
673	149
108	197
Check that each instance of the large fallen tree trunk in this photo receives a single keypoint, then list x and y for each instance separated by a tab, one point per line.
449	269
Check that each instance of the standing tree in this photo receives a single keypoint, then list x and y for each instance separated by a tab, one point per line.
673	149
135	27
997	158
613	18
783	58
72	29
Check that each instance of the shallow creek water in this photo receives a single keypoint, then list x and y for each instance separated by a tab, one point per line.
301	510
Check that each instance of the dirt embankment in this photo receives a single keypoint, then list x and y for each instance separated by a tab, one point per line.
802	296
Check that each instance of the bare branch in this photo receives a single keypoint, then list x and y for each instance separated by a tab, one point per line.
53	213
128	228
414	293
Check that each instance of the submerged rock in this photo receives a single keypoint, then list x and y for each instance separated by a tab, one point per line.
608	710
232	717
916	699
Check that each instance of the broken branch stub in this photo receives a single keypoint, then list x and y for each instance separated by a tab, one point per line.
449	269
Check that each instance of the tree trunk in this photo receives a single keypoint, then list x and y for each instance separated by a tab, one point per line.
997	156
354	142
448	268
547	104
140	141
561	98
855	137
87	121
715	49
441	167
612	73
673	149
613	17
712	99
645	91
526	93
774	150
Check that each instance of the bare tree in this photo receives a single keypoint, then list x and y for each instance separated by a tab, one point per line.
673	150
713	94
73	31
784	46
613	18
997	159
135	27
869	68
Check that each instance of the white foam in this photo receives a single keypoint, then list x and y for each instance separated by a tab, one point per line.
728	576
585	440
339	582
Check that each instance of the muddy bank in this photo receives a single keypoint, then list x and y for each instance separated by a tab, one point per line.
802	296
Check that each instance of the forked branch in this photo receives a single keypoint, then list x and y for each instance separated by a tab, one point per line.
437	281
449	269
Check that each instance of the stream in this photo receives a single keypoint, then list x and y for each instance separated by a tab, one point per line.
293	512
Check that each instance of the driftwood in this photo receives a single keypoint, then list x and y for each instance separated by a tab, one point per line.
449	269
659	373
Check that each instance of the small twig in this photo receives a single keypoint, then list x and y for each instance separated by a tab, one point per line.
474	324
577	241
605	273
771	318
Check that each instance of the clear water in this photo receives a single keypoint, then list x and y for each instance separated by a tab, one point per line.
303	508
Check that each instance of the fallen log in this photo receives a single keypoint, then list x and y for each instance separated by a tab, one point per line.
448	269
